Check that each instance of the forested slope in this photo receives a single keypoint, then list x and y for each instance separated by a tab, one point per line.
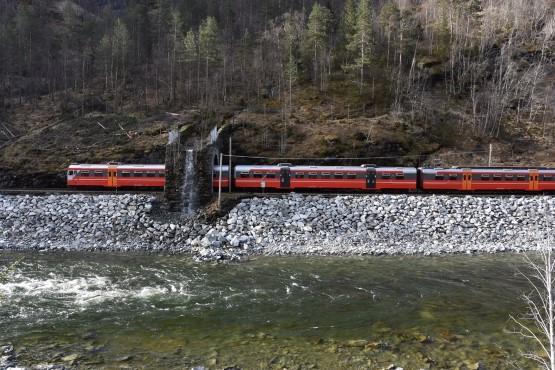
413	81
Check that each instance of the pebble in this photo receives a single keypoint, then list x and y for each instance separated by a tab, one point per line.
291	224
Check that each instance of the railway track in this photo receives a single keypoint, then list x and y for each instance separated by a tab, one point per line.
51	191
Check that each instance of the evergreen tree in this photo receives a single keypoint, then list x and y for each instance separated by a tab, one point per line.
442	30
390	18
191	54
106	52
176	27
362	41
317	40
348	24
120	49
209	48
291	38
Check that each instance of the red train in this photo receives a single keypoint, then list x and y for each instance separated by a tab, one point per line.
372	178
115	175
287	177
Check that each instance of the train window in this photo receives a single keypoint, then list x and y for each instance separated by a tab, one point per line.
521	178
70	173
496	177
547	178
338	175
453	176
299	175
312	175
399	176
98	173
150	174
508	177
138	173
125	174
351	176
439	177
244	175
84	173
484	177
325	175
271	175
386	175
258	175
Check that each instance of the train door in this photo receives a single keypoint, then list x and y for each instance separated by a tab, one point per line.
112	177
285	177
534	180
370	177
467	179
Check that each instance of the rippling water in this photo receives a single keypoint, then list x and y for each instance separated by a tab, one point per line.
157	311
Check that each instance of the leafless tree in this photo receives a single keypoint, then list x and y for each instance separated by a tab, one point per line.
538	324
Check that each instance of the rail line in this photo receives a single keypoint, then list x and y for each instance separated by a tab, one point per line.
52	191
243	194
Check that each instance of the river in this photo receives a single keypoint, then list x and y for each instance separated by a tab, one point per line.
152	311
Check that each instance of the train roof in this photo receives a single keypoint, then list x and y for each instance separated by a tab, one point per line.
493	170
322	168
105	166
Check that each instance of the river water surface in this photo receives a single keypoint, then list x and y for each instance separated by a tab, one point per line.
113	310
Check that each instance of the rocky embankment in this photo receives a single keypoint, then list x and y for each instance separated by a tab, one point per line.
287	224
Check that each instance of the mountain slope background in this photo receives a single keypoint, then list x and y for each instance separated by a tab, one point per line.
391	81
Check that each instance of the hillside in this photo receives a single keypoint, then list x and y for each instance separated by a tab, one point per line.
393	82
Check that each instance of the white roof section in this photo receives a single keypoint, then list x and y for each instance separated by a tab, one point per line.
256	167
152	167
323	168
158	167
88	167
329	168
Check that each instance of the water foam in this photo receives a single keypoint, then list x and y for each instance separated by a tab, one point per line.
82	291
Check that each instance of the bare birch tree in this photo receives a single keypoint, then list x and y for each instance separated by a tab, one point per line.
538	324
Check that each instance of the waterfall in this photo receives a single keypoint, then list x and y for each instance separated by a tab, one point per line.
189	191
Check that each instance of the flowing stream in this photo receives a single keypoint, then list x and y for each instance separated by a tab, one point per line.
111	310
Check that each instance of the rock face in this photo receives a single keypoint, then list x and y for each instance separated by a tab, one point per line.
287	224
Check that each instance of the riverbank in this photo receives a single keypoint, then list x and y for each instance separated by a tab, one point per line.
290	224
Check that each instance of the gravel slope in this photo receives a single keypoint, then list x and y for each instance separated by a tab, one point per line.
291	224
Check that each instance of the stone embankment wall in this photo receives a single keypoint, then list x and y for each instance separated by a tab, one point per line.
287	224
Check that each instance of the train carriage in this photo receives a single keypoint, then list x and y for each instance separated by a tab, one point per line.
487	179
289	177
114	175
546	179
257	177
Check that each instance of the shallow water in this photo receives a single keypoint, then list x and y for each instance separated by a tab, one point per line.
113	310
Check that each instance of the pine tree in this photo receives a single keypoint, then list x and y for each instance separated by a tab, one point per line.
348	24
120	44
291	40
363	39
317	39
390	18
191	54
443	31
176	26
105	49
208	45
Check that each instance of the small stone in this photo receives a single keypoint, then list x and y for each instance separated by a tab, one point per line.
356	343
71	358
